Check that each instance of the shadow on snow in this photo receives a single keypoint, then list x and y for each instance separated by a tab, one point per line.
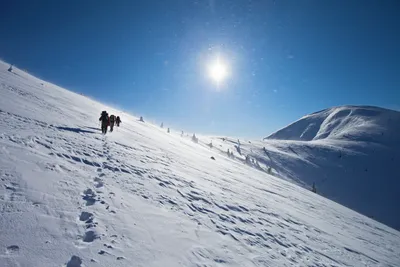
75	130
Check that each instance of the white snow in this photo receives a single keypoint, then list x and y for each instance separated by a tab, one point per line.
351	123
350	152
140	196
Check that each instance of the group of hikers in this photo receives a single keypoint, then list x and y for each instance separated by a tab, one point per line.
108	121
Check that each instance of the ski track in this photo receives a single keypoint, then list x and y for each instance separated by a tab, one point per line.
233	215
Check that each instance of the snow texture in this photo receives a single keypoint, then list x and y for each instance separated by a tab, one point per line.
140	196
350	152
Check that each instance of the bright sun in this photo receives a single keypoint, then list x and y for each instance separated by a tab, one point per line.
218	71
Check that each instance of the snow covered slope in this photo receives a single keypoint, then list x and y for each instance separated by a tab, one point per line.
350	152
139	196
353	123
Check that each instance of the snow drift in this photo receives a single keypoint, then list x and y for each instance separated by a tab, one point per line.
140	196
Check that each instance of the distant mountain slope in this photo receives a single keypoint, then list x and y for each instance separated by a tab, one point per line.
350	152
355	123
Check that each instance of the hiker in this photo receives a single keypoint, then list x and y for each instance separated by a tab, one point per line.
168	131
104	121
162	125
141	119
112	121
118	121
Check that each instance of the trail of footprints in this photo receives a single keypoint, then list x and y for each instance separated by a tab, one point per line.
92	197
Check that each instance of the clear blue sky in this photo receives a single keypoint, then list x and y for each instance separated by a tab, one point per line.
286	58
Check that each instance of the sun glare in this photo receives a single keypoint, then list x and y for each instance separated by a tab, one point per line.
218	71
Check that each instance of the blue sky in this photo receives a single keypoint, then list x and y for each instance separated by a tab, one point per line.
285	58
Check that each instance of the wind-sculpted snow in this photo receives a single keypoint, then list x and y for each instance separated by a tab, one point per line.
140	196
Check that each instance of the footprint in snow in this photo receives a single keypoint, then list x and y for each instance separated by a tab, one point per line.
90	236
85	216
99	184
75	261
89	196
12	249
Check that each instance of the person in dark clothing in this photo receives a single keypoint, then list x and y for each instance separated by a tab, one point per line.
104	121
118	121
112	121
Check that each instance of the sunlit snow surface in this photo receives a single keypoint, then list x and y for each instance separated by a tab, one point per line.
139	196
350	152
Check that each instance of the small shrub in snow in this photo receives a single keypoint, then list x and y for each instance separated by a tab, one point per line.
195	139
314	188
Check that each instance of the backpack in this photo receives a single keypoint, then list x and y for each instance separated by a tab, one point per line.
104	116
112	118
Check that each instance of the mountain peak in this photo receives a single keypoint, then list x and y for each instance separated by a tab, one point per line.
356	123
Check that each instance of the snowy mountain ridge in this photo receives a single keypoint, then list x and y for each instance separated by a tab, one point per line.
140	196
355	123
350	152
